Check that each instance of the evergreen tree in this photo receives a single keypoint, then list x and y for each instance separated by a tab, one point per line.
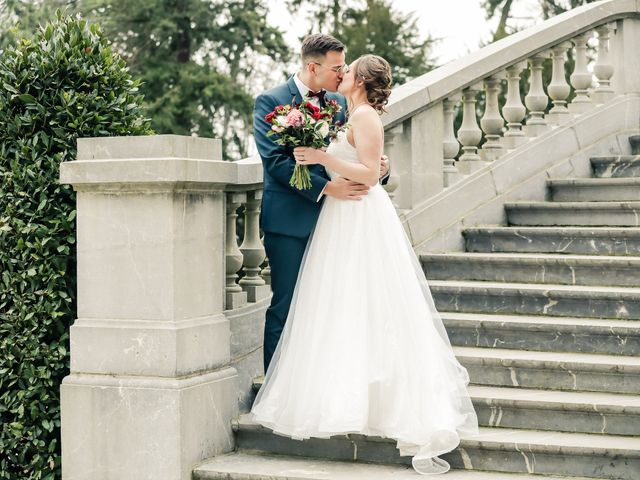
201	61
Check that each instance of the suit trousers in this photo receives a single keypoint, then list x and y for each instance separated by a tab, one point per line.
285	254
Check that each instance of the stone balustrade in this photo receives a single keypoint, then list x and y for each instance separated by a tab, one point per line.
601	37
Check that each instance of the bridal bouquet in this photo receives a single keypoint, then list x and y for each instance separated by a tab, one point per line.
303	125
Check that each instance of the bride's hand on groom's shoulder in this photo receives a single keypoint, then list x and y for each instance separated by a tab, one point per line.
308	155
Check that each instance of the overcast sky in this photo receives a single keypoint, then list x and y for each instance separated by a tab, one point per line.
461	24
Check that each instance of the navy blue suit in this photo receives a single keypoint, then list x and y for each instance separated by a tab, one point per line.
288	215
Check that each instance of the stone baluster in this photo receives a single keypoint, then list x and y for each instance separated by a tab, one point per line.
450	145
469	133
390	137
235	296
265	273
536	100
581	77
492	122
603	68
514	111
253	250
559	89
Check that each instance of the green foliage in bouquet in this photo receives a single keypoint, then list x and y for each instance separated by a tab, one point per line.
63	84
303	125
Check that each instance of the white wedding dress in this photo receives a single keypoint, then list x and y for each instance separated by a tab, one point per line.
364	349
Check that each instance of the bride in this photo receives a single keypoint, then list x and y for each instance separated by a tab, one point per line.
363	349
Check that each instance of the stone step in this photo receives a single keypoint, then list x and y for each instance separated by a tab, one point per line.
544	333
533	268
551	370
616	166
492	449
607	214
594	189
536	299
569	240
243	465
543	409
578	412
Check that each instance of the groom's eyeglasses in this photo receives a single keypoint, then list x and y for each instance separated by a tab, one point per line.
342	68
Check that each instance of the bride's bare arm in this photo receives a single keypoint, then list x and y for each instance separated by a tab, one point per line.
367	136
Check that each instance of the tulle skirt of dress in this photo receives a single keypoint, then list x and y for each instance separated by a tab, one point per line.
364	349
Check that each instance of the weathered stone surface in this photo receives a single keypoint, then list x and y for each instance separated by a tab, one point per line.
495	449
618	166
144	427
258	466
551	370
565	239
535	299
595	189
608	214
543	333
533	268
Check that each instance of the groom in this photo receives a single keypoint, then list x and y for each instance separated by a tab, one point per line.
288	215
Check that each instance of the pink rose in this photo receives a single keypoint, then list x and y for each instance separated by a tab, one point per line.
295	118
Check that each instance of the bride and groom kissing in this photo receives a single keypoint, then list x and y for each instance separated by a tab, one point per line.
353	342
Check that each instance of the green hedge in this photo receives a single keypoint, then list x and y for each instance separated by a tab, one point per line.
64	84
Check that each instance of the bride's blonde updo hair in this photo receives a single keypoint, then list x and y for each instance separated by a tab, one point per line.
375	72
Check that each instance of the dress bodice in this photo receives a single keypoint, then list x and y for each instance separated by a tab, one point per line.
341	148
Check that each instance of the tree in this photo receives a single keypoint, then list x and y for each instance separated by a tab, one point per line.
20	18
201	61
372	26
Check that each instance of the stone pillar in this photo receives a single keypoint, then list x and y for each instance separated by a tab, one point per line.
390	136
469	133
626	57
236	297
150	393
491	122
513	110
416	157
450	145
559	89
604	68
536	100
581	78
252	250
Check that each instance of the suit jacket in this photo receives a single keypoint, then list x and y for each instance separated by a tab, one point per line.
285	209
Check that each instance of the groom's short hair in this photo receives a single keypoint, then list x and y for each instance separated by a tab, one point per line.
317	45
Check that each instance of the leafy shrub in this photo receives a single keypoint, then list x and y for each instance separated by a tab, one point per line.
64	84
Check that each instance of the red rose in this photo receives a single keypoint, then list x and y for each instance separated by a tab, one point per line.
310	106
269	116
317	115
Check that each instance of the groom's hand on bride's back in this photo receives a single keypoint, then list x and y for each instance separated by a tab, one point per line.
346	189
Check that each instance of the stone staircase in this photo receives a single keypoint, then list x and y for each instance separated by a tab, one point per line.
545	315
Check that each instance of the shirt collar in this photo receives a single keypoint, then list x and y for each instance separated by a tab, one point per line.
302	88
